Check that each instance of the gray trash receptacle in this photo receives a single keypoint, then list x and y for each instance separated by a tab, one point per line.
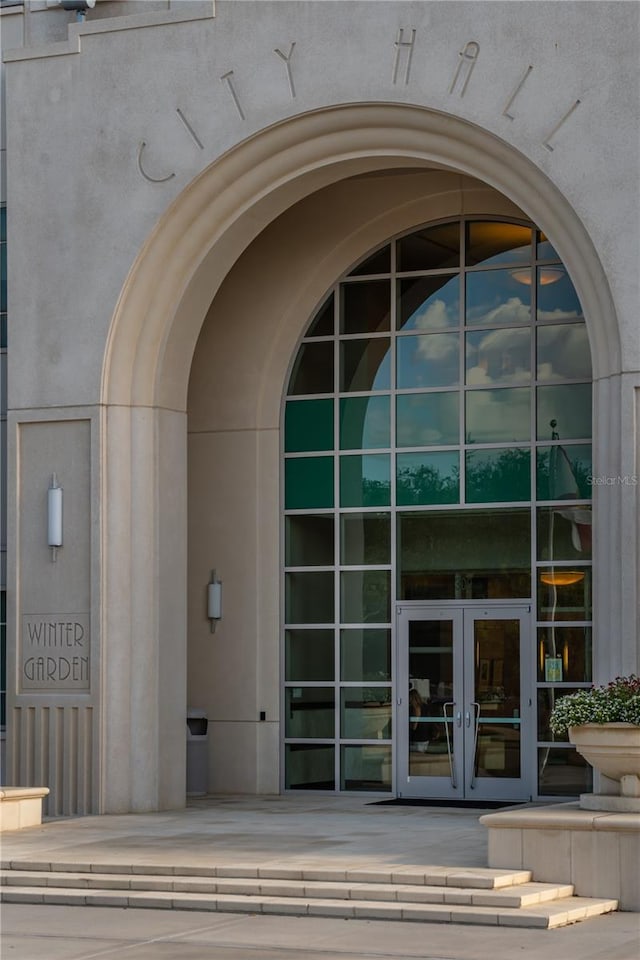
197	753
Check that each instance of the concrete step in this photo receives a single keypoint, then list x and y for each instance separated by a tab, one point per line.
428	894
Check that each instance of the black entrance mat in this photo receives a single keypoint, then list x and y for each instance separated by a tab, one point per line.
468	804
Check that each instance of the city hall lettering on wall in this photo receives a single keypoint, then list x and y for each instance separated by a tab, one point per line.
55	652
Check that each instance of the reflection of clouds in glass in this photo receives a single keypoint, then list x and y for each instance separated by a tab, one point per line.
498	356
512	310
558	314
498	415
438	347
427	419
376	425
563	353
435	315
569	406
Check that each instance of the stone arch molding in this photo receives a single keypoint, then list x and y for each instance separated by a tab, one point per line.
175	277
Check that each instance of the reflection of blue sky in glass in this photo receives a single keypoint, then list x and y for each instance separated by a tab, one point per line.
557	300
427	419
563	352
429	303
365	364
364	423
498	356
569	406
494	296
498	415
428	361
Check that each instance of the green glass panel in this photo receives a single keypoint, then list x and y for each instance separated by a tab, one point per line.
313	369
464	555
496	296
498	356
365	480
427	419
498	416
490	241
564	532
564	593
564	472
309	766
430	360
427	478
365	306
365	365
365	538
365	713
366	768
3	224
3	606
309	655
365	596
563	352
309	712
365	655
546	250
378	262
428	303
309	541
432	248
494	476
557	298
308	425
562	772
322	323
564	412
309	597
564	654
3	330
3	278
365	423
308	482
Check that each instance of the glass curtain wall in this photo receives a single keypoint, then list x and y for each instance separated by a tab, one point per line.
437	446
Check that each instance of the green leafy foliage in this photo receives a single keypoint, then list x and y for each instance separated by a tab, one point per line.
614	702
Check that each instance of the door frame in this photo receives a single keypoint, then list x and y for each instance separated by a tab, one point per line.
463	614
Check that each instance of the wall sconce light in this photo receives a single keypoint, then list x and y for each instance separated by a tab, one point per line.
54	517
214	600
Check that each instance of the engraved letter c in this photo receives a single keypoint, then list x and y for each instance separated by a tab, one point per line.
143	171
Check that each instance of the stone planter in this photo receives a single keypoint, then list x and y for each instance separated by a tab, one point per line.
613	749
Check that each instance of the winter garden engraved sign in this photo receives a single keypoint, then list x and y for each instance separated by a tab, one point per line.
55	652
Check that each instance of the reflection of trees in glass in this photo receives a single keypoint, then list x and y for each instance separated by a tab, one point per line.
581	473
502	477
426	484
375	493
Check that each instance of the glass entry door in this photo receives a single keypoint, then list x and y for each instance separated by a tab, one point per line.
463	703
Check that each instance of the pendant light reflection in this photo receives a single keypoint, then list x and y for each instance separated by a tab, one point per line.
546	275
561	578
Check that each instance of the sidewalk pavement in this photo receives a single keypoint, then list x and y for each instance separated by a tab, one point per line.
329	831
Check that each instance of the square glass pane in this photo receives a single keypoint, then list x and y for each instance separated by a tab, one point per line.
308	425
365	480
309	597
322	323
430	360
378	262
564	472
498	356
546	250
366	768
309	541
365	713
309	712
313	369
308	482
365	596
495	416
430	249
564	412
564	532
428	303
309	655
564	593
557	298
497	296
562	772
427	419
365	655
502	475
493	242
365	306
466	555
365	538
365	423
564	654
563	352
309	766
427	478
365	365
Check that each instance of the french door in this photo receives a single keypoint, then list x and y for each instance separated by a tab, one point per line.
464	704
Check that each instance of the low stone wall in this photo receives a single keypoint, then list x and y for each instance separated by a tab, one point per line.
21	807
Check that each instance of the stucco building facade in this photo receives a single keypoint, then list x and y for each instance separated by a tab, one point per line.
340	301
